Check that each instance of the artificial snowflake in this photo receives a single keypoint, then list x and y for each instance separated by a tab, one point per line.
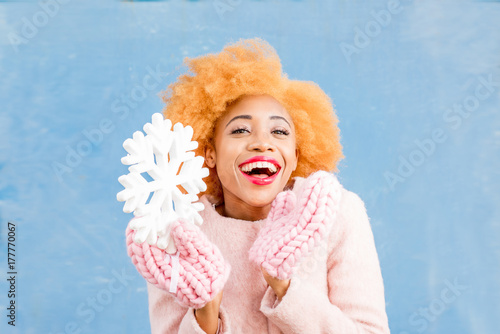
166	156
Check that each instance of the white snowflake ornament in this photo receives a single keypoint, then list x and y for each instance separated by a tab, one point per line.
167	157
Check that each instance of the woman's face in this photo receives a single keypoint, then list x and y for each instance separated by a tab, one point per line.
255	151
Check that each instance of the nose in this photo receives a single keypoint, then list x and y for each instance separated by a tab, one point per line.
261	143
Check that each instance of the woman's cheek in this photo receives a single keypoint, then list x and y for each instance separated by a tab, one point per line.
225	174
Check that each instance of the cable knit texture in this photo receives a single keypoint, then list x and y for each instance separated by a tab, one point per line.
295	226
336	289
202	270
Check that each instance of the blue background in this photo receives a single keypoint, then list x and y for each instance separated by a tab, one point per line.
436	224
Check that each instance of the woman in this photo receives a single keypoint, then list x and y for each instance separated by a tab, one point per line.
266	140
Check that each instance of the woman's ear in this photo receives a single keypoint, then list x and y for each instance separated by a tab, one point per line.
210	155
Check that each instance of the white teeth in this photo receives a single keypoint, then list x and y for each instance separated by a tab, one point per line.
259	164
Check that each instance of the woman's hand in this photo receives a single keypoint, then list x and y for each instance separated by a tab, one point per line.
280	287
296	224
199	266
208	316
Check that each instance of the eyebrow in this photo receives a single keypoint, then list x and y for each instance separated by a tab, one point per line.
250	117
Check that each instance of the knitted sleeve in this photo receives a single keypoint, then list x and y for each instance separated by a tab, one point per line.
355	300
166	316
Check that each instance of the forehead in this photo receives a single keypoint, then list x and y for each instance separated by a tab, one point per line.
258	106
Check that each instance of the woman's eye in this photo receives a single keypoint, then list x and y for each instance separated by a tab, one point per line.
281	132
240	130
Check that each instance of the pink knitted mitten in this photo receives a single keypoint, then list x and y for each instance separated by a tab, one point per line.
295	226
195	275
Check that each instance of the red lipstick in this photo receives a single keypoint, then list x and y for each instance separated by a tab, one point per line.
261	158
258	180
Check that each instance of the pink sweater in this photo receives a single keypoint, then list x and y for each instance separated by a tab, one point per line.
338	289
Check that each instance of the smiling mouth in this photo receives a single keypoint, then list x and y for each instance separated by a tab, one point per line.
260	169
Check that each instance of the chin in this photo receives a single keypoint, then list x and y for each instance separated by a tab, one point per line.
261	198
259	202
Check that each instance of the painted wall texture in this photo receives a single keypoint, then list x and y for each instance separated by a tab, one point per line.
416	86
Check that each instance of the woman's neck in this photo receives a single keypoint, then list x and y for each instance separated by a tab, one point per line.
234	207
242	211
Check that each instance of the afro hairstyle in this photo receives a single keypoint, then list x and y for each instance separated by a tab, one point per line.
252	67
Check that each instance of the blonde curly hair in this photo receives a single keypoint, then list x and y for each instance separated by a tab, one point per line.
252	67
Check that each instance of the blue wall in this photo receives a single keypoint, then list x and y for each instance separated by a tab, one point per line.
419	122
